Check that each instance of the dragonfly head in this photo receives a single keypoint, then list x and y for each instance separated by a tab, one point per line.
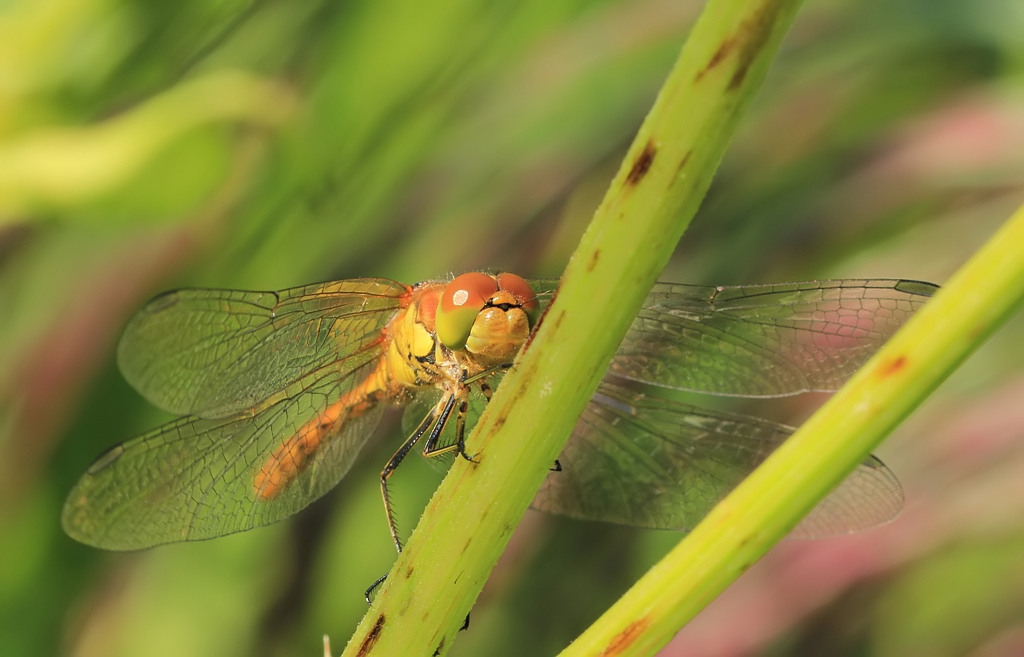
489	316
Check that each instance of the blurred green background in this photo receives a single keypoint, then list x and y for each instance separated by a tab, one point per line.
266	144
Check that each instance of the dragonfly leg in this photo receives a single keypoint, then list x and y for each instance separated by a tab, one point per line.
460	422
368	595
460	432
389	469
430	447
460	426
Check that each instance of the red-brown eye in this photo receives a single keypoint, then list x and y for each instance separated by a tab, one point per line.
461	302
523	293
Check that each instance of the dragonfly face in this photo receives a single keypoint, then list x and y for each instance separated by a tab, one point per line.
278	391
487	318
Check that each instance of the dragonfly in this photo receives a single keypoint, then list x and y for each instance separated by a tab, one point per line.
277	392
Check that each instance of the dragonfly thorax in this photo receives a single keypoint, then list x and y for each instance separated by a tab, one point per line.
412	355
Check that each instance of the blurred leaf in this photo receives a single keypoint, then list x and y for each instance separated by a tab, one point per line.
920	615
64	166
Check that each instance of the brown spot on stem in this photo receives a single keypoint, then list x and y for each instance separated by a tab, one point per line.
371	638
717	58
748	41
682	163
752	37
499	422
892	367
626	637
526	378
641	165
592	262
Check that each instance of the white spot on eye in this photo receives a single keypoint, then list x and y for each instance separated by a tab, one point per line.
460	297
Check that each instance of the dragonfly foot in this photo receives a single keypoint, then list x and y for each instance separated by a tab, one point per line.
462	452
368	595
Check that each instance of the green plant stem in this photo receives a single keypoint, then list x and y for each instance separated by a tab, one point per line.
983	294
666	172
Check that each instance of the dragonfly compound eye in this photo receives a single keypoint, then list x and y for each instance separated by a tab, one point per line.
461	302
523	293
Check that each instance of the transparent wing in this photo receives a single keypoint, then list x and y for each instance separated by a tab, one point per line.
212	353
869	497
193	478
641	460
763	340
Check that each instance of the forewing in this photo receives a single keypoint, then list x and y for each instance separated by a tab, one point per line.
192	479
212	353
644	461
763	340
